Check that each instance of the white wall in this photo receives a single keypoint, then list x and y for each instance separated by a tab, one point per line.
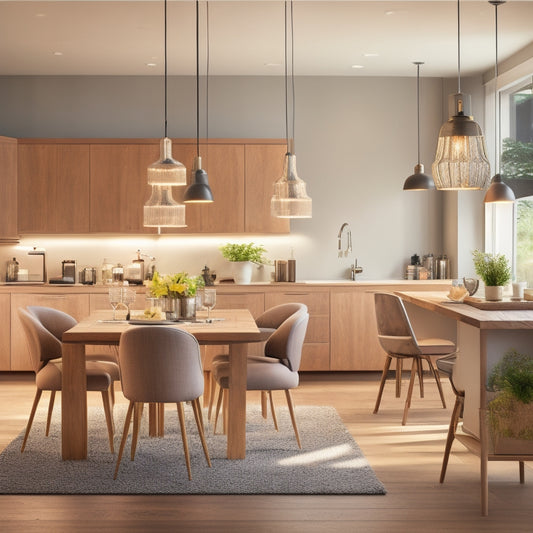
355	145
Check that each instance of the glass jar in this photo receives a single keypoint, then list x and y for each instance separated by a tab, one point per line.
118	273
107	272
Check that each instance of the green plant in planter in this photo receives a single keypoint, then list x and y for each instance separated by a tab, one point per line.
244	252
493	269
511	410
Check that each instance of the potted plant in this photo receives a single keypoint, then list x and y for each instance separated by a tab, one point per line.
510	408
495	271
242	257
178	293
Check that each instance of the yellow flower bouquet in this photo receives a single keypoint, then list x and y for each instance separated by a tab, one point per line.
179	285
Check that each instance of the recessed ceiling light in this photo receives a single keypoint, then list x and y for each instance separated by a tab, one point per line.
390	12
40	15
151	64
272	64
58	53
358	66
371	54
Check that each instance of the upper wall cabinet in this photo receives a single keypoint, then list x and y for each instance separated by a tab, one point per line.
53	188
8	190
99	186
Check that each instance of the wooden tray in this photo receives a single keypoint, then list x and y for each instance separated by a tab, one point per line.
505	304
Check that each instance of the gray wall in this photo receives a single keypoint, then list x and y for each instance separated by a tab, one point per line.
355	145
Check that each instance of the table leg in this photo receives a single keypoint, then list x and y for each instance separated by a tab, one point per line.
74	403
237	402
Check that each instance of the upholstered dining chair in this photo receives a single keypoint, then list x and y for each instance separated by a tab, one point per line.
277	370
399	341
45	352
160	364
267	323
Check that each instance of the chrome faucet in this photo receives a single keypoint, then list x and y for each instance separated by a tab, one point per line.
354	269
348	250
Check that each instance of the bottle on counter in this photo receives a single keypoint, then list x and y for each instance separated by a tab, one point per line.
12	272
107	272
291	268
118	273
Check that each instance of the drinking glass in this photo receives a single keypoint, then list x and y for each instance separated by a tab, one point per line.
128	298
208	300
115	297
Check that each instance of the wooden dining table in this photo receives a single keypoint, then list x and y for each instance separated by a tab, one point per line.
233	327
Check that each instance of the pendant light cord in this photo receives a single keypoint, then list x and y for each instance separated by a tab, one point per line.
458	47
197	78
418	107
287	121
496	121
207	72
165	60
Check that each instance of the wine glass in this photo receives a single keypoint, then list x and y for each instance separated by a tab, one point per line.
115	297
208	300
128	298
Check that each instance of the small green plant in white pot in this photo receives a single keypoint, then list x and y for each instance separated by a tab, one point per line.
495	271
242	257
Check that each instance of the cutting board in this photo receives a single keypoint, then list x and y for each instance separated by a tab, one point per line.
505	304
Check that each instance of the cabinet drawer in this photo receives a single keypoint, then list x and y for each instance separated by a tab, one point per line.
317	301
254	302
315	356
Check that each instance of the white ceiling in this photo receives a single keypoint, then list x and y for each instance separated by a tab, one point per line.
246	37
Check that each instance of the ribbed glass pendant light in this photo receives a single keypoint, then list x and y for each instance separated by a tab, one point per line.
162	210
199	190
499	191
418	181
461	161
290	199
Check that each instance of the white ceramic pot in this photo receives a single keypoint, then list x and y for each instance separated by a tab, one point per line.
493	293
242	272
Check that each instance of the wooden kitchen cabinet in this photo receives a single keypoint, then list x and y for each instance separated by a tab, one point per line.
315	352
76	305
5	332
8	190
264	166
53	188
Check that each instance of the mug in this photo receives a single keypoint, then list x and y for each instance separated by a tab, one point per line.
518	289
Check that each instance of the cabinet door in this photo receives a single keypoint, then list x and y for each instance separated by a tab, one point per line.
315	352
264	165
354	341
5	332
76	305
119	187
53	188
8	190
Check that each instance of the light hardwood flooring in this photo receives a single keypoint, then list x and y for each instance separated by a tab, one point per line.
406	459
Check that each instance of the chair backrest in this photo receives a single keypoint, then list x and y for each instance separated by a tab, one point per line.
395	333
287	341
55	321
275	316
160	364
42	345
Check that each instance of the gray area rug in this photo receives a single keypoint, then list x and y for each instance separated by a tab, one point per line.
330	461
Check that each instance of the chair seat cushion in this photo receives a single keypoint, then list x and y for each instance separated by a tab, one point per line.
435	346
446	364
263	373
98	379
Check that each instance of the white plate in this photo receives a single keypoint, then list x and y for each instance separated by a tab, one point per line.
150	322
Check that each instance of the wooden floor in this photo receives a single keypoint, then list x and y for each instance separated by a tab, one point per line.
406	459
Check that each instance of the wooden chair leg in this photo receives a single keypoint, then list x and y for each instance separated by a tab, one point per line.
264	408
399	371
451	435
414	368
274	418
181	417
197	410
420	371
137	417
521	472
212	389
124	437
293	418
436	375
108	419
382	383
207	388
38	394
217	410
50	410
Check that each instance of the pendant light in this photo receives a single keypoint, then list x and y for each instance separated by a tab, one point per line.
290	199
418	181
499	191
162	210
199	191
461	161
